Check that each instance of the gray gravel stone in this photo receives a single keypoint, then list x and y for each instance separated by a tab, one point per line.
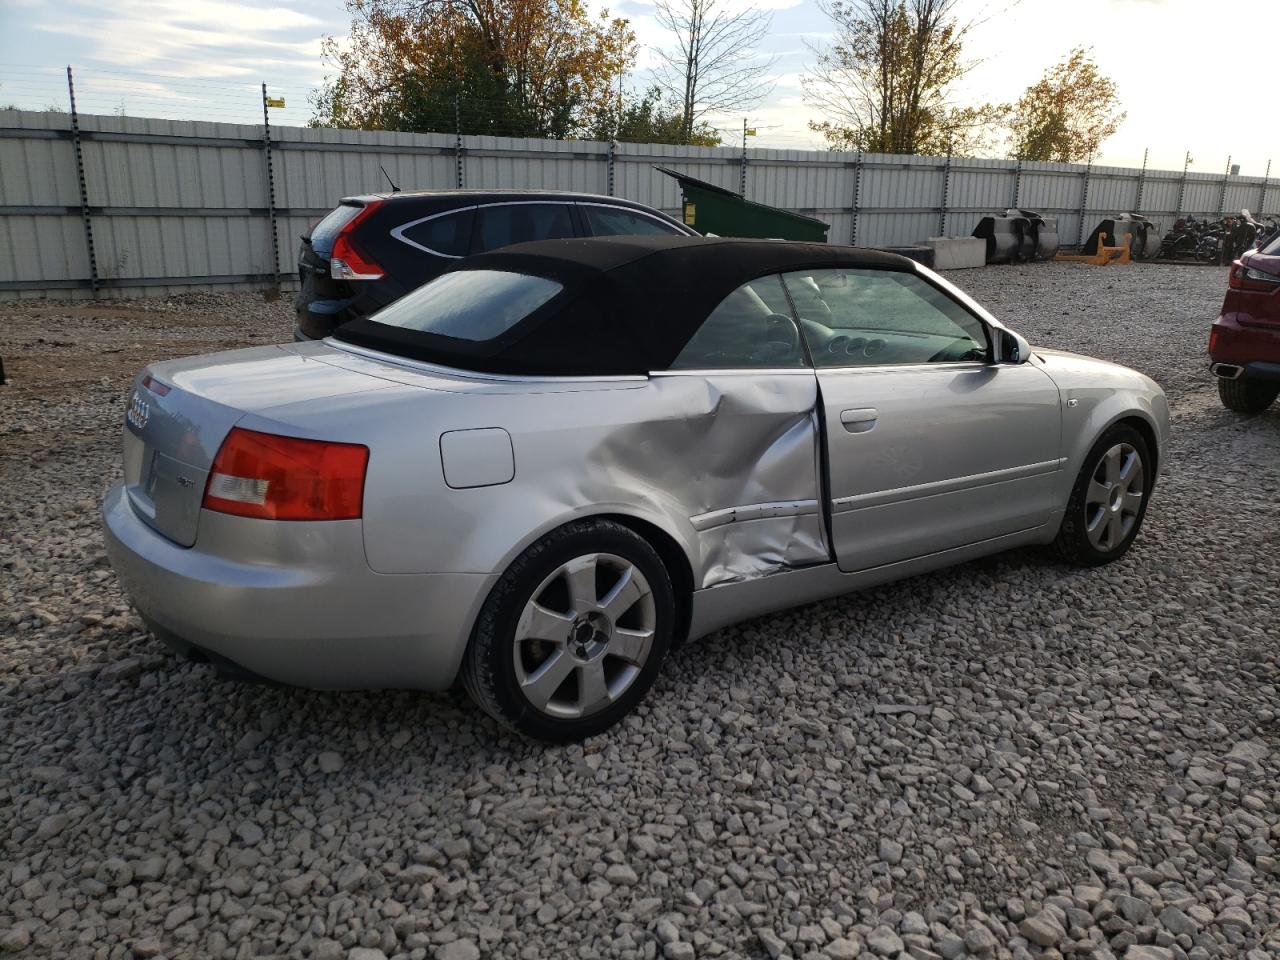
884	942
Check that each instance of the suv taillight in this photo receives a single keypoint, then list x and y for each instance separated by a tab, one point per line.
1245	277
286	478
347	261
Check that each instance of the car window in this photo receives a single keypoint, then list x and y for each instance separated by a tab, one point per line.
508	223
448	235
615	221
880	317
474	305
751	328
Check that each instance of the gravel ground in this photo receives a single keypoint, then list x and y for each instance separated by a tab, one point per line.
1009	759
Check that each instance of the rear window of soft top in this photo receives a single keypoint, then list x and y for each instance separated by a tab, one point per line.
474	305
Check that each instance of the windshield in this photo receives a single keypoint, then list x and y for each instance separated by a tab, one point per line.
475	305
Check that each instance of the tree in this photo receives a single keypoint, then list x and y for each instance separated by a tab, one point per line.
652	118
713	66
516	67
1067	114
885	82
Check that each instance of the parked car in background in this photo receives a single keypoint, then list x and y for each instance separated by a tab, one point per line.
550	464
369	251
1244	343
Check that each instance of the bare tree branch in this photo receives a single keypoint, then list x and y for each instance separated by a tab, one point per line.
712	65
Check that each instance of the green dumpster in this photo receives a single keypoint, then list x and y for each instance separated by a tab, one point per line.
711	209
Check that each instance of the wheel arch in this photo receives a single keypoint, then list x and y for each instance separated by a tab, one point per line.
1148	431
673	558
666	542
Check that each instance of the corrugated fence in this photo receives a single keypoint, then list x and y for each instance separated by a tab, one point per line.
125	206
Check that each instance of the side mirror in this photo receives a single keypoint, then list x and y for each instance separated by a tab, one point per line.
1011	347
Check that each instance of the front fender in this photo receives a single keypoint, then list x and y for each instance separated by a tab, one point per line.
1096	395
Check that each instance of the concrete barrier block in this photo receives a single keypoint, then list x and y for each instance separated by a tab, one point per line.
957	253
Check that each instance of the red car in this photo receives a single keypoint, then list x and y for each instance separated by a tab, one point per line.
1244	344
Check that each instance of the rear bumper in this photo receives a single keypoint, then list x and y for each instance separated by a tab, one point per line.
1255	349
301	606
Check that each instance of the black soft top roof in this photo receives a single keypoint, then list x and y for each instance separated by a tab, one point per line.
629	304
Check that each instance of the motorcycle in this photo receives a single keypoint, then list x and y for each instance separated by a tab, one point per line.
1260	233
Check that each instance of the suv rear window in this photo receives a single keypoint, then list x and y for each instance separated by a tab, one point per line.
475	305
326	231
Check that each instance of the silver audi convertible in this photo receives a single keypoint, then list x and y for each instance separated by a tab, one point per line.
545	468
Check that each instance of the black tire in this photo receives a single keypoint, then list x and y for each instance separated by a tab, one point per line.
488	666
1247	396
1073	542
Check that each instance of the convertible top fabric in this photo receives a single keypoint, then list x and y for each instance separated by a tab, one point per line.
629	304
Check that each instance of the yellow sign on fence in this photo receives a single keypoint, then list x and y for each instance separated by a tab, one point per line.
275	102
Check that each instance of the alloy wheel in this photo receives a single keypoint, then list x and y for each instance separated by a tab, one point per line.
584	636
1113	499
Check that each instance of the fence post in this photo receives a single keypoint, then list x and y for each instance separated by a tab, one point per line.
271	192
1142	181
853	210
84	189
1262	196
946	195
1084	203
457	142
1182	185
1017	185
609	178
1222	198
742	174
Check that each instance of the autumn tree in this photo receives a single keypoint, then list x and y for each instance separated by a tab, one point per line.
885	83
1067	114
652	117
712	65
543	68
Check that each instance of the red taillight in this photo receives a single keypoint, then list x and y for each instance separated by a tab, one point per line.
155	386
347	261
1213	339
286	478
1245	277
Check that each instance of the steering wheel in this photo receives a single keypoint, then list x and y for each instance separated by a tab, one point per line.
784	338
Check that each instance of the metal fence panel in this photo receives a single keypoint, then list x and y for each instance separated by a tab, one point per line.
182	205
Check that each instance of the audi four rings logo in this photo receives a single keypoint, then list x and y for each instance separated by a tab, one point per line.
139	412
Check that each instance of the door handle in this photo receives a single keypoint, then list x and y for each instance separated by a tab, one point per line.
859	421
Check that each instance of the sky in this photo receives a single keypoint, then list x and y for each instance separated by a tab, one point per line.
1182	67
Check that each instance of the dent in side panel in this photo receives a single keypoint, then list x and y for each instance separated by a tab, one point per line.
739	452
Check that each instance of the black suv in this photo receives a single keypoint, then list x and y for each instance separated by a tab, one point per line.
374	249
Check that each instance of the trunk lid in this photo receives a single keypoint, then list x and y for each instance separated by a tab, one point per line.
181	410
